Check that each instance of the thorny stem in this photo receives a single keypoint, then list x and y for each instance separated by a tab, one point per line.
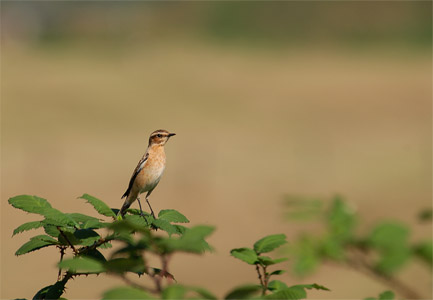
260	277
67	240
266	280
62	253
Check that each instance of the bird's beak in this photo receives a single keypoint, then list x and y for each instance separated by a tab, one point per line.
171	134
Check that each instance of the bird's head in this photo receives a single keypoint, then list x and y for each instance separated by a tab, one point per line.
160	137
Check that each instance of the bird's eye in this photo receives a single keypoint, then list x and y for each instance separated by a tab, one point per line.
159	135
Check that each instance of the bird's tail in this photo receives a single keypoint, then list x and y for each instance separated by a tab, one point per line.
125	206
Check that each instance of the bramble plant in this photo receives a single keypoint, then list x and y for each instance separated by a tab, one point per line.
380	253
277	288
79	238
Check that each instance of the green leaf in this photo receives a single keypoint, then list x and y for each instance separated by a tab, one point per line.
174	291
165	225
99	205
37	205
95	254
35	243
122	265
27	226
312	286
31	204
269	243
203	293
82	264
391	241
277	285
267	261
332	248
86	222
171	215
387	295
341	220
86	237
41	293
389	235
302	208
126	293
191	241
288	293
243	292
245	254
305	255
278	272
56	290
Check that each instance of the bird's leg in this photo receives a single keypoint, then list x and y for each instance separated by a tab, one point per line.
151	210
139	204
141	211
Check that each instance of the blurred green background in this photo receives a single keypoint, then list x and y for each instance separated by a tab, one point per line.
266	98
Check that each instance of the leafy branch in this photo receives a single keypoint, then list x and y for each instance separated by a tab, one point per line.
379	254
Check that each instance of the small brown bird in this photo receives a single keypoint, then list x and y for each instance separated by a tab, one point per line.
148	172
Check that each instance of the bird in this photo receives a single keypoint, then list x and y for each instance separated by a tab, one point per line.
148	172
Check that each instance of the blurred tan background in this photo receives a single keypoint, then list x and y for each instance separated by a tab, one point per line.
266	99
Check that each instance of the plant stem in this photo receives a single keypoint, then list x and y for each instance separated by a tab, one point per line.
67	240
262	283
62	253
359	262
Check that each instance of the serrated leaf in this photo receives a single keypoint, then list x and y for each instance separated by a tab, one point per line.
245	254
36	243
292	293
27	226
171	215
86	222
269	243
174	291
165	225
37	205
125	293
31	204
82	264
243	292
99	205
387	295
193	240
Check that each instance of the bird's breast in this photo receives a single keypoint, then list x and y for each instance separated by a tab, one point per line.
151	174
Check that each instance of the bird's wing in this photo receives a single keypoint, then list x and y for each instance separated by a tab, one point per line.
137	170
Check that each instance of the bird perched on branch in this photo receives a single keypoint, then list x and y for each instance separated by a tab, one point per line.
148	172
